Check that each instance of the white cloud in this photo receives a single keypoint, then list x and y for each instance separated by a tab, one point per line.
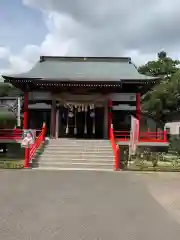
21	62
138	29
4	52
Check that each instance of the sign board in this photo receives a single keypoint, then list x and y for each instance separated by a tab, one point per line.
134	135
28	138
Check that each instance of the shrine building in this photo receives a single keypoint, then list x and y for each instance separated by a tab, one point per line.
80	97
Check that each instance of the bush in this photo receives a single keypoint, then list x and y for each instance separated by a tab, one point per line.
174	144
7	119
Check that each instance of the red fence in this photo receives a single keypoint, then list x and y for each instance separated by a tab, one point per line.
11	134
159	136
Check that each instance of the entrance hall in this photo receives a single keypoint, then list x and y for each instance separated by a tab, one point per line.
81	121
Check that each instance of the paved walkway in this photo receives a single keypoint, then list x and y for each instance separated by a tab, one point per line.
76	205
165	188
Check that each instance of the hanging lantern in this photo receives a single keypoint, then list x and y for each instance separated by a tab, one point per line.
71	107
82	108
85	123
75	127
92	114
70	114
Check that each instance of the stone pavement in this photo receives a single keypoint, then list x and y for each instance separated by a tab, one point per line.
77	205
165	188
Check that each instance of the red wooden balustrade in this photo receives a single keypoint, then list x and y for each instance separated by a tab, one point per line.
31	151
148	136
115	148
11	134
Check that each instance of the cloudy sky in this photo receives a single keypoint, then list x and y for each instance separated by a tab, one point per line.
135	28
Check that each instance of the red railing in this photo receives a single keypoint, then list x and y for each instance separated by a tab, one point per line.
148	136
115	148
31	151
122	135
159	136
11	134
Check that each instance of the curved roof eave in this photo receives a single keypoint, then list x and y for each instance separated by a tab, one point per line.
27	78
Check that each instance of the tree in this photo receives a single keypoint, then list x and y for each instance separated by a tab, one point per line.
4	89
164	66
7	89
163	98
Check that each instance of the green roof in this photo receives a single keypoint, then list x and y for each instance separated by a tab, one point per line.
82	69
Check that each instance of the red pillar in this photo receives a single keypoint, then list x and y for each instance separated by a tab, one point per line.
109	115
138	108
25	122
53	119
25	126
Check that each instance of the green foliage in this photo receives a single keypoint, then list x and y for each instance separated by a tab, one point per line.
7	89
148	160
163	66
7	119
165	97
174	145
7	124
4	89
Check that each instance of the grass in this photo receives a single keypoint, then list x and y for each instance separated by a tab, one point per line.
7	163
162	166
154	169
10	163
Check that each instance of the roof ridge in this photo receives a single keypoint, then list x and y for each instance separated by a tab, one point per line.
93	59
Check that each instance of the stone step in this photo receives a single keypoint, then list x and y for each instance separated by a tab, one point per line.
98	161
69	153
67	158
76	154
76	165
78	140
90	148
45	168
77	151
81	143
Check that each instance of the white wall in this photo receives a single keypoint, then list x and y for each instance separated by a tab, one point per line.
123	97
174	127
40	95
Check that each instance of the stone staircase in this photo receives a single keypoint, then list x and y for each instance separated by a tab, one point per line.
74	154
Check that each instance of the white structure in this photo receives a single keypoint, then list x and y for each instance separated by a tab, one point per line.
173	128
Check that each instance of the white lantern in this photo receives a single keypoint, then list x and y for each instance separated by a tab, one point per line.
92	114
70	114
